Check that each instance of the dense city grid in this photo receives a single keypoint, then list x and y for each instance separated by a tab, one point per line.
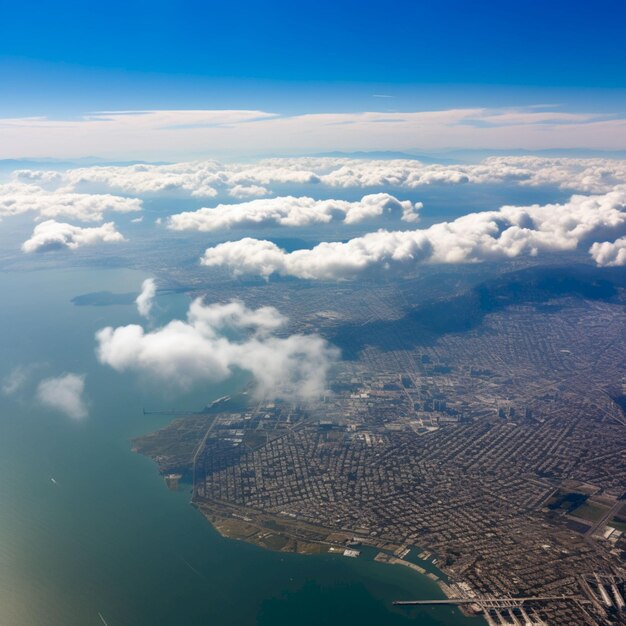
500	450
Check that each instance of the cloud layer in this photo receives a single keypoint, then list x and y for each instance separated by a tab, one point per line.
291	211
64	394
507	233
53	235
495	234
159	134
584	175
205	179
215	340
19	197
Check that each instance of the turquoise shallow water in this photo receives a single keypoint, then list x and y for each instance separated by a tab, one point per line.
107	542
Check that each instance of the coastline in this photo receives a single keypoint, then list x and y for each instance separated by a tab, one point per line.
282	534
174	448
285	533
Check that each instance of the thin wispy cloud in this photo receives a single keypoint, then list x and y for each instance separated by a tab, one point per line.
17	379
171	133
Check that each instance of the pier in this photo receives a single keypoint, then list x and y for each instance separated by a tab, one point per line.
496	603
505	610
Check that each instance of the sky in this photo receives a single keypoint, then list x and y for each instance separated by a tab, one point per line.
259	75
200	90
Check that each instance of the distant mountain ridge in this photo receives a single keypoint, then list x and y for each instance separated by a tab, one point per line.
461	313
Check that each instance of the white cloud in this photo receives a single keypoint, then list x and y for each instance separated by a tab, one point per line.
585	175
204	179
145	299
176	134
216	339
291	211
65	394
507	233
17	197
609	254
327	261
595	175
52	235
16	379
248	191
200	179
195	179
268	172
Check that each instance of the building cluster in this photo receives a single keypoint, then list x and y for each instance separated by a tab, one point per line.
500	449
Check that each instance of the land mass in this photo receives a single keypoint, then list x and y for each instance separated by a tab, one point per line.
486	427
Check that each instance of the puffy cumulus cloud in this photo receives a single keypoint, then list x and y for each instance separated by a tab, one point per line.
585	175
596	175
506	233
195	179
248	191
609	254
64	394
201	179
53	235
205	179
327	261
404	173
18	197
291	211
214	340
145	299
271	171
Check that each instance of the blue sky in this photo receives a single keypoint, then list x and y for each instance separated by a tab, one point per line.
64	59
108	46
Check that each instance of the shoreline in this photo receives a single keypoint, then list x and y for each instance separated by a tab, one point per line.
284	532
281	534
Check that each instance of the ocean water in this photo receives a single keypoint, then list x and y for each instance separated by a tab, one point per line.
89	534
